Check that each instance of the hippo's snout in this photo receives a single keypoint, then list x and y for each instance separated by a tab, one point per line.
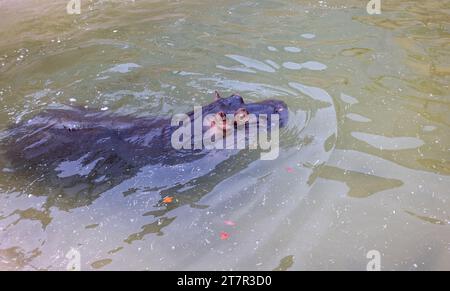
270	107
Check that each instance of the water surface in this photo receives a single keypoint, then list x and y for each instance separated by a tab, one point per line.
364	161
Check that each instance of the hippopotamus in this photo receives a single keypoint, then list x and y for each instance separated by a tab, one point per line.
110	147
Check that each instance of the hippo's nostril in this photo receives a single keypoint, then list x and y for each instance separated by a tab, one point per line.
279	109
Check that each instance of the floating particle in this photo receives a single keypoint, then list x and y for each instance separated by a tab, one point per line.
224	235
168	199
230	223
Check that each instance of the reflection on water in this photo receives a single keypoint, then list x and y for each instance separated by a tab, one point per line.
388	143
363	161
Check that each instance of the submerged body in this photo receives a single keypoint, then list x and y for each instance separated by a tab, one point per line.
109	148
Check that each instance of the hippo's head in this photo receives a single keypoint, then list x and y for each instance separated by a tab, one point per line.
234	106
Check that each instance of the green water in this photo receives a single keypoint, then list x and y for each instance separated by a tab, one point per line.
364	161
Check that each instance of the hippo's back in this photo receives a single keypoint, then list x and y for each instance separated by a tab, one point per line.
43	143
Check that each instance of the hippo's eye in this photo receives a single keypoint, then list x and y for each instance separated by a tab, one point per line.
220	121
241	116
221	116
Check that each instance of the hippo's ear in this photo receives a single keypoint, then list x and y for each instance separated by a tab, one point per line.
217	96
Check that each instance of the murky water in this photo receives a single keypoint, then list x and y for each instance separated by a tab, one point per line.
364	161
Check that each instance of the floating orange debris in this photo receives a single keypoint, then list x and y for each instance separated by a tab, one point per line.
168	199
289	170
224	235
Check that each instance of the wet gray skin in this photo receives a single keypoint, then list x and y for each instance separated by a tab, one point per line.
113	147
